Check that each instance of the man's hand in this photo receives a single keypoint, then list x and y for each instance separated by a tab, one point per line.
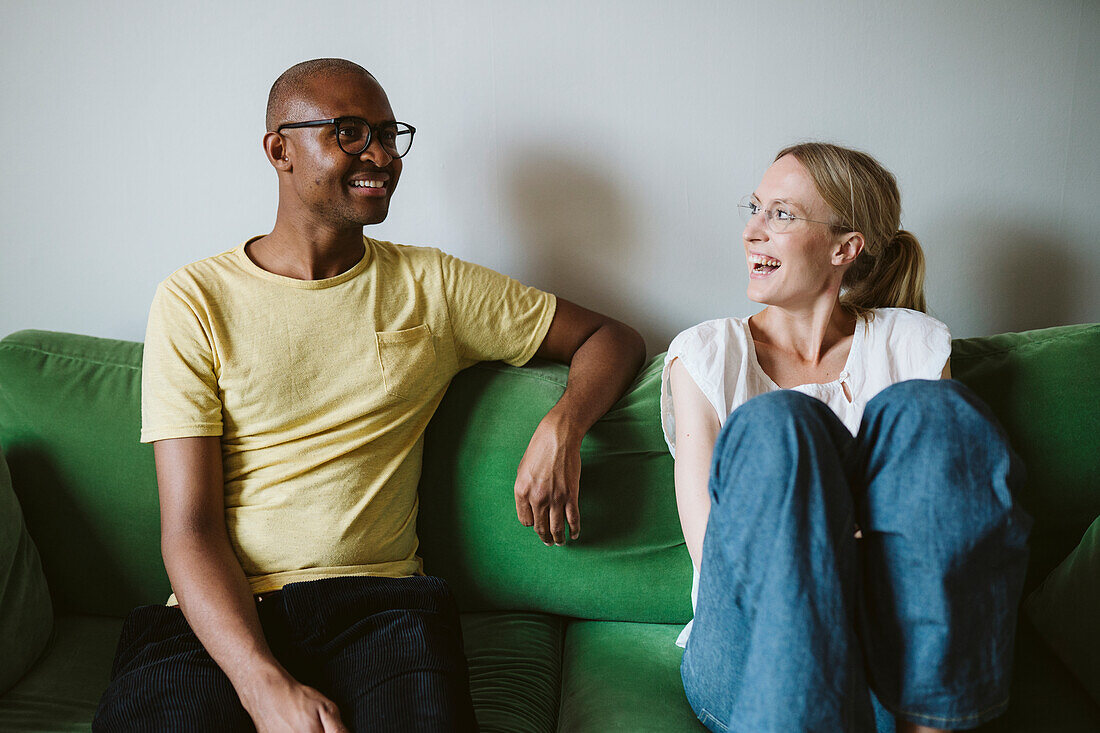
548	483
280	704
603	357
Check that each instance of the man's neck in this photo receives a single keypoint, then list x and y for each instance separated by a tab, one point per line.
307	252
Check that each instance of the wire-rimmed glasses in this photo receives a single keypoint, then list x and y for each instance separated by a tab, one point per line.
778	217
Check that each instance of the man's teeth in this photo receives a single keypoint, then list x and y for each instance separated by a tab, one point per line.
368	184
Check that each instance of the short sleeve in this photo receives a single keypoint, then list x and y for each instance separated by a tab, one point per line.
179	388
494	317
704	350
918	346
668	414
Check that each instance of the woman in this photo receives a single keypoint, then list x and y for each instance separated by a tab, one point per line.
849	514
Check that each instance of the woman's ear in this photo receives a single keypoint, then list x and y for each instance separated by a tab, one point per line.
275	149
849	247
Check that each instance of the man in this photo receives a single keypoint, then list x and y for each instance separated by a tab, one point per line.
286	387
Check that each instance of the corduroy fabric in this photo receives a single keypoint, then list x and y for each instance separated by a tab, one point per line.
386	651
515	670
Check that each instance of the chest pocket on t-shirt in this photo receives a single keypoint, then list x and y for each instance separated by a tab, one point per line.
408	360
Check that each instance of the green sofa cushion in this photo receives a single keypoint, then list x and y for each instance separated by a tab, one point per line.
1044	386
623	676
1045	696
69	420
630	562
1066	610
26	615
61	691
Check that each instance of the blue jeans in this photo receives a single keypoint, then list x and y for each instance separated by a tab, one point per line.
797	621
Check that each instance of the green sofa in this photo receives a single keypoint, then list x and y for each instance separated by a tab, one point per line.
578	638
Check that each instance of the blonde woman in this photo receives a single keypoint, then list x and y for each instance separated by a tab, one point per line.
847	506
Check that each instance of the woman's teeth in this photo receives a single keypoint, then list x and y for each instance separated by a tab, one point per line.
760	263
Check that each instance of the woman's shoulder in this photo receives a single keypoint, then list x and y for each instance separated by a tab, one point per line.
914	344
905	322
717	334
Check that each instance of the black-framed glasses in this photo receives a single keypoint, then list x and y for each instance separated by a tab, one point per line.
777	217
354	134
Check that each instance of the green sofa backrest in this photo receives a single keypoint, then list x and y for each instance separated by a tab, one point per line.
69	424
1044	386
69	421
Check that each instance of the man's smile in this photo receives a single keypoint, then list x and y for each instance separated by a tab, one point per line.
370	184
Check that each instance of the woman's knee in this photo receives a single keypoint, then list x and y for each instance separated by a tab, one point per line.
941	419
932	406
933	449
773	416
771	437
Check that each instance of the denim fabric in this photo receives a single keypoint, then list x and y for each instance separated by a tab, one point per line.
798	621
386	651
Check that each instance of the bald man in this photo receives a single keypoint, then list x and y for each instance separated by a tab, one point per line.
286	387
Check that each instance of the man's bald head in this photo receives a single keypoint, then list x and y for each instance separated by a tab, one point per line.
293	85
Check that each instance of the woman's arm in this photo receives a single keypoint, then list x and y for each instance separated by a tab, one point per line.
697	429
946	374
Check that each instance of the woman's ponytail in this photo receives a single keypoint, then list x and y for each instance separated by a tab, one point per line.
892	279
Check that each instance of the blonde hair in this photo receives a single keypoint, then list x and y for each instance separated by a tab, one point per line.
863	196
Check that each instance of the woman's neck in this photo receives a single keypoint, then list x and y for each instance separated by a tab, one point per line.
805	335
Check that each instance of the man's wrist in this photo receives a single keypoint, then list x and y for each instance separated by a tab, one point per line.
254	682
568	431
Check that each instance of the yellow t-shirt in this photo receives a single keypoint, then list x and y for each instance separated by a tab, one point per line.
321	390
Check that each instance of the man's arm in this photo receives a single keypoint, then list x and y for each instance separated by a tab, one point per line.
214	594
604	356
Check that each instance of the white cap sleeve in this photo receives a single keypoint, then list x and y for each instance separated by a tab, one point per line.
668	419
703	350
919	344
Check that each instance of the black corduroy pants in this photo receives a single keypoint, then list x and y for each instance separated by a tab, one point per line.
386	651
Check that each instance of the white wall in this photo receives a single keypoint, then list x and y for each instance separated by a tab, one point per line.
596	149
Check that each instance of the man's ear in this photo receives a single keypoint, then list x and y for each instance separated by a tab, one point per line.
849	247
276	151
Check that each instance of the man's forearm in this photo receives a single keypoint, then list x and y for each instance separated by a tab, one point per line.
217	602
599	373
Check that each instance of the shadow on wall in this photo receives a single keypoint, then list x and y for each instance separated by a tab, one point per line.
579	241
1035	281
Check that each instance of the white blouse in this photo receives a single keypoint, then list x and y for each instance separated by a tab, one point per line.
895	345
